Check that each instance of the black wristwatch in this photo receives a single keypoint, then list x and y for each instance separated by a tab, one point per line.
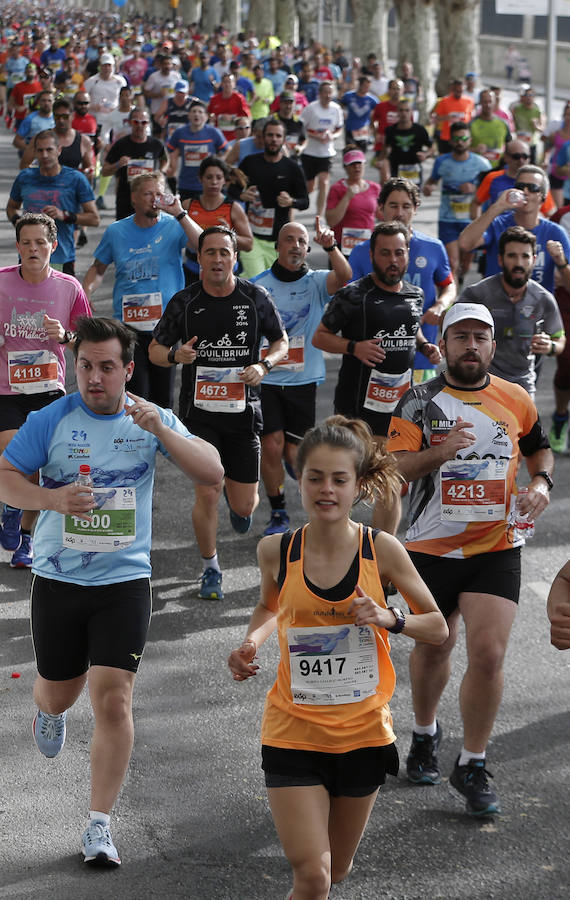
171	355
547	478
350	347
400	620
267	365
181	216
332	247
67	337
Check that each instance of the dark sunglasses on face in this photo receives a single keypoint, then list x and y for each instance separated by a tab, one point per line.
461	140
528	186
519	155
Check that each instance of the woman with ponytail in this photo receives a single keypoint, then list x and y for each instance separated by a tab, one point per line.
327	738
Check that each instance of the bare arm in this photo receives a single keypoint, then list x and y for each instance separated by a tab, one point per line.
12	209
558	609
172	169
241	226
93	278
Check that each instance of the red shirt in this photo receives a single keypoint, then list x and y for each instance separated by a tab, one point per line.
385	114
227	110
86	124
21	90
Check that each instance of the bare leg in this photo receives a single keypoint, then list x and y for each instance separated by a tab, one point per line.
323	179
430	667
347	820
54	697
301	816
111	692
205	517
242	497
272	471
562	399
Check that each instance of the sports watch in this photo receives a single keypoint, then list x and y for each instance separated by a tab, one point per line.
547	478
400	620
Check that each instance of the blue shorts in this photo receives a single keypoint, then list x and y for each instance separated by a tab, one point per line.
448	232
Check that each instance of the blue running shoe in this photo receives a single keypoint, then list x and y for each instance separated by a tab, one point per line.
211	585
278	523
241	524
23	557
471	781
49	732
10	534
98	846
422	766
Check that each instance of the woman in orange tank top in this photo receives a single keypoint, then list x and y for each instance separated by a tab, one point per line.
327	739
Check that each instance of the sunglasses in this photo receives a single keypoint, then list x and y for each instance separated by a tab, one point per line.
61	116
519	155
528	186
461	140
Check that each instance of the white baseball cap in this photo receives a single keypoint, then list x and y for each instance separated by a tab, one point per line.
107	59
460	311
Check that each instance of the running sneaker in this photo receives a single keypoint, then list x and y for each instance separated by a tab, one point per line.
82	238
471	781
278	523
10	534
98	846
100	203
558	434
241	524
290	470
422	765
49	732
211	585
23	557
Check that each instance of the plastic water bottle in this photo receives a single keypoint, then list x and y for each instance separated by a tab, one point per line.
84	478
523	525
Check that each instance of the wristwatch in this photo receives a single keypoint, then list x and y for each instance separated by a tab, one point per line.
332	247
400	620
547	478
171	356
67	337
267	365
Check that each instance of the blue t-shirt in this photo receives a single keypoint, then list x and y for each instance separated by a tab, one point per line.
146	259
428	267
563	157
56	440
194	146
544	267
359	109
203	87
244	86
454	206
68	190
33	124
300	304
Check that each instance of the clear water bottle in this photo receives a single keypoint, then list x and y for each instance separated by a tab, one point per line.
84	478
523	525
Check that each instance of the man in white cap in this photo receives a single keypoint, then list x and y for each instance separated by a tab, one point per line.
457	439
103	89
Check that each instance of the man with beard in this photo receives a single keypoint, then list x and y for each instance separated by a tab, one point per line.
457	439
526	316
375	323
276	185
146	249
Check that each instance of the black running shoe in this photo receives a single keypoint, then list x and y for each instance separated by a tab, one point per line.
471	781
422	765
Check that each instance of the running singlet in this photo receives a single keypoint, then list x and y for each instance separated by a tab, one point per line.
334	679
300	304
460	510
115	547
229	331
361	311
205	218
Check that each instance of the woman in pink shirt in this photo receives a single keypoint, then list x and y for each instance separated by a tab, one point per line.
352	202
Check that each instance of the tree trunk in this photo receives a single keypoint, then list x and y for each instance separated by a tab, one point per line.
230	16
189	10
285	20
211	15
458	26
308	12
415	19
369	32
261	18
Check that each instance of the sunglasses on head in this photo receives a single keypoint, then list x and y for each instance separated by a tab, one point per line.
528	186
519	155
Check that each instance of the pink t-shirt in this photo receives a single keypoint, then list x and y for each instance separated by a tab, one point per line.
29	362
360	214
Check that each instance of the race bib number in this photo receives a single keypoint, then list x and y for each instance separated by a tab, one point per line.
351	237
219	390
473	490
260	219
194	155
139	167
226	122
412	173
291	141
112	524
32	371
385	391
295	358
142	311
361	134
459	204
332	664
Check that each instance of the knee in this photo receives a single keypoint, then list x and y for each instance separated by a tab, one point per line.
113	704
245	505
272	446
487	659
208	495
339	874
313	878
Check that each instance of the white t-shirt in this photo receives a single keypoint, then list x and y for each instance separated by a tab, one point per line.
320	118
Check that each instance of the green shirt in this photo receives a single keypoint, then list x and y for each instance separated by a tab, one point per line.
264	90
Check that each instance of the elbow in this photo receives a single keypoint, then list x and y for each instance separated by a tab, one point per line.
246	244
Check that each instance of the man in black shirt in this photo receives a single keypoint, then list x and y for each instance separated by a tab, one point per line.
134	154
220	322
276	185
295	137
406	145
375	323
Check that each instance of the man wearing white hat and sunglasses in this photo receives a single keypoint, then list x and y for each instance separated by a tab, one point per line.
457	440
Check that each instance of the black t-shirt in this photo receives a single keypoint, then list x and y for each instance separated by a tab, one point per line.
151	151
405	145
361	311
270	179
229	331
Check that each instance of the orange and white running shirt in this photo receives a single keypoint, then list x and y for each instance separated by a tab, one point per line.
460	509
334	678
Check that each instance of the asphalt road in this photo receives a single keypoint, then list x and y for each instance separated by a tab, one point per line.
192	820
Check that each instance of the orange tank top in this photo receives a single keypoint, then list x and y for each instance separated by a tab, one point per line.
334	679
221	215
